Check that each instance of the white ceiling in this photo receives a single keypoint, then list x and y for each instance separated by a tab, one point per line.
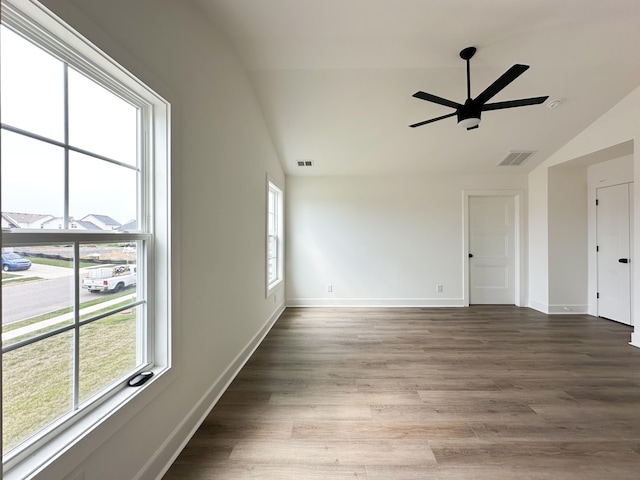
335	77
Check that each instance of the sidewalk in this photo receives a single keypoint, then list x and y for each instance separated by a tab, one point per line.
62	318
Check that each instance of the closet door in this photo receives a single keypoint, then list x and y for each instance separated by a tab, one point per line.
614	253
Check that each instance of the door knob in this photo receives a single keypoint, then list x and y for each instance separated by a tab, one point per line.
623	260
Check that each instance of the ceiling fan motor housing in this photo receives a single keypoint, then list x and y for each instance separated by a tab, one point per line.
470	110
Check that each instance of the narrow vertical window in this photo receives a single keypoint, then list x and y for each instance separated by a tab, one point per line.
275	229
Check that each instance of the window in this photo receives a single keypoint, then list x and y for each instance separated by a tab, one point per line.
85	229
275	229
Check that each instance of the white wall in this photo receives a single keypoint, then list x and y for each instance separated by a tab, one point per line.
222	153
568	227
379	240
538	240
611	172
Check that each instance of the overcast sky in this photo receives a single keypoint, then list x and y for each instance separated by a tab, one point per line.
33	177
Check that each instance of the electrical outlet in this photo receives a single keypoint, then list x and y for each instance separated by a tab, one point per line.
439	288
329	288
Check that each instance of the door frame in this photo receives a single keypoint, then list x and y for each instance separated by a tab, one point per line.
519	227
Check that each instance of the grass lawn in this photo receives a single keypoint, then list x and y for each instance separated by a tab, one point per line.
59	263
19	279
37	380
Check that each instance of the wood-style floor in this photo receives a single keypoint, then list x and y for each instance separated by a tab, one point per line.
484	393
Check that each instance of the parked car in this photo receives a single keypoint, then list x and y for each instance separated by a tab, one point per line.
13	261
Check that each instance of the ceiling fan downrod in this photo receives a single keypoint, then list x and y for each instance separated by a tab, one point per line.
466	54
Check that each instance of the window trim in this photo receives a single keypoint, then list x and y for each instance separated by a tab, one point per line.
273	185
106	416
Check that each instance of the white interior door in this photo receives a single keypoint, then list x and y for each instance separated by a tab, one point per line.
614	240
491	250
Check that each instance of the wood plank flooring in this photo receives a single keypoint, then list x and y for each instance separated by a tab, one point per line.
483	393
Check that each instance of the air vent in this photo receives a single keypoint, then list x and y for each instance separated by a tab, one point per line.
516	158
305	163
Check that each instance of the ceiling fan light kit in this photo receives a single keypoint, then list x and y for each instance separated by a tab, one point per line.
469	113
469	123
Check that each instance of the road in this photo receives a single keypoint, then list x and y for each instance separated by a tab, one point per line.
28	299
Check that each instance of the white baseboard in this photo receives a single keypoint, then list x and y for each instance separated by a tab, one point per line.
568	309
635	339
539	306
375	302
164	457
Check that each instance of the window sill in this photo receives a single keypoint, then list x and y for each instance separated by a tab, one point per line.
274	287
61	455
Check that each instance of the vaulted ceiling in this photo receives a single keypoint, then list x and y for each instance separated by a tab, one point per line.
335	78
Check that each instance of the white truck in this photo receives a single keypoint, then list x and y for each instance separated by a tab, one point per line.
113	278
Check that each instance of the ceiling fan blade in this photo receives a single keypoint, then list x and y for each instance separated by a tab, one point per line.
504	80
432	120
523	102
435	99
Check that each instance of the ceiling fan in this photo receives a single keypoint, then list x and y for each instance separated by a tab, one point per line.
469	113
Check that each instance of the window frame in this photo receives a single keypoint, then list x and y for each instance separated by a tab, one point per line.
273	186
50	33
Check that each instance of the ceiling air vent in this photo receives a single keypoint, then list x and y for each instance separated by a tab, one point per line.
516	158
305	163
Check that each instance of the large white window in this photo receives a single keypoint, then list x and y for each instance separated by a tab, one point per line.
275	230
85	229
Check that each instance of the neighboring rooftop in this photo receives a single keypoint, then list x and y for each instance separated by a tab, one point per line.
130	225
88	225
18	218
37	220
105	219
